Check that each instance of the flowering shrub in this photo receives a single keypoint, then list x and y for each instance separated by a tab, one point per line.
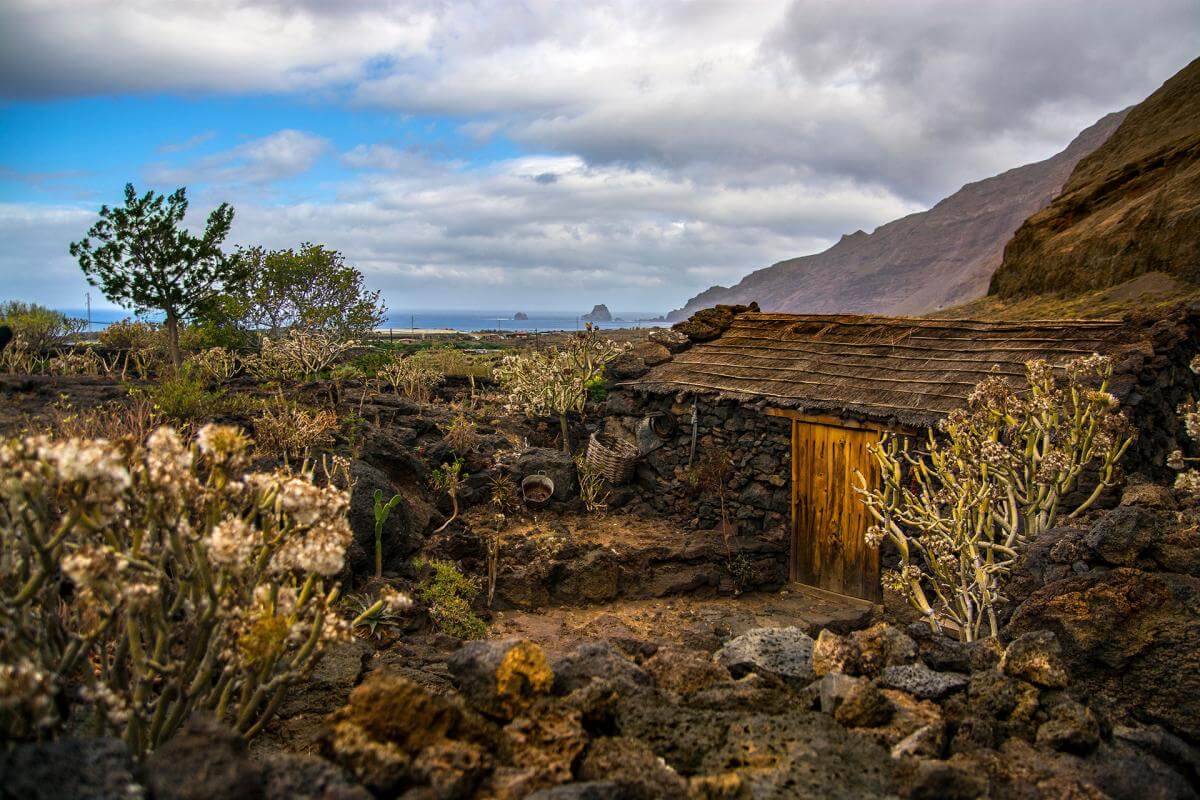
155	580
415	376
1188	479
301	355
37	327
554	381
288	429
76	363
216	364
960	512
130	334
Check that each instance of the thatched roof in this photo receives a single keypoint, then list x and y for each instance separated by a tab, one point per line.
904	369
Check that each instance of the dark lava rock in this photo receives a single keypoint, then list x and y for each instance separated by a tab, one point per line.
782	652
594	660
1034	657
992	695
299	777
588	790
1120	536
1148	495
864	706
1129	637
298	724
834	687
1070	727
883	645
634	767
709	323
833	653
402	534
942	780
921	681
381	737
98	769
799	754
203	760
684	671
672	340
946	653
500	676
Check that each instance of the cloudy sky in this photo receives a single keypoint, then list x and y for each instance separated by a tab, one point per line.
544	155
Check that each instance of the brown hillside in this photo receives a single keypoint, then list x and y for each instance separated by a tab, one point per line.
1131	207
922	262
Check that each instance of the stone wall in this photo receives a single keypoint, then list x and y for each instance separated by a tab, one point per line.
759	491
1161	380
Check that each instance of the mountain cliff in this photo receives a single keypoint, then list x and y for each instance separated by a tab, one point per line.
1130	208
918	263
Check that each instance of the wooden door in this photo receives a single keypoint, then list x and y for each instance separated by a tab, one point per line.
828	518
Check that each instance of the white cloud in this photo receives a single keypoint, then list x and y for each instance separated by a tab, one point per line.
280	155
189	143
445	235
682	143
106	46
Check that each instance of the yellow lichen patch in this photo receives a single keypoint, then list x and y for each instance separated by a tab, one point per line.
522	674
723	786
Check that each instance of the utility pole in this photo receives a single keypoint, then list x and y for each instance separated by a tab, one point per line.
88	301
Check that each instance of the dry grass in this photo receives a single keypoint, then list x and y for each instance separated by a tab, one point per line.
288	429
114	421
1150	292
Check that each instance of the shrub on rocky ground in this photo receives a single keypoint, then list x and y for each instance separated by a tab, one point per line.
449	594
284	428
181	397
414	376
153	581
995	480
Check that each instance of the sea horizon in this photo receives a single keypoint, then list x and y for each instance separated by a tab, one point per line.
463	320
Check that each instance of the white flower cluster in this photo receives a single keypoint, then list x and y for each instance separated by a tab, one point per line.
233	543
167	546
27	691
395	601
318	542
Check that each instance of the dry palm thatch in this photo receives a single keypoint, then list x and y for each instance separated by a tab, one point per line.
909	370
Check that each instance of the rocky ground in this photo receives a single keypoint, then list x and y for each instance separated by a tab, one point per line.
620	663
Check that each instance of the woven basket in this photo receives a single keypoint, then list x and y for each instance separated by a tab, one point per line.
614	458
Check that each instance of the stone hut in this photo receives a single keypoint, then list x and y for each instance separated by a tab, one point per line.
797	399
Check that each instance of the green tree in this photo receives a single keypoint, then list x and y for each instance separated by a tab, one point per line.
312	288
140	255
38	327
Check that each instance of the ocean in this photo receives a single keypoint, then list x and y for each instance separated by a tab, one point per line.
459	320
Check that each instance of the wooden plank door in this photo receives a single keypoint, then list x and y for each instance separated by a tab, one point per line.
828	518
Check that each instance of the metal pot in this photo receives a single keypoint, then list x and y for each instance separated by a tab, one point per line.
536	490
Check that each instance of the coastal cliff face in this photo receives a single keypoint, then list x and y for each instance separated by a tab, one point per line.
919	263
1130	207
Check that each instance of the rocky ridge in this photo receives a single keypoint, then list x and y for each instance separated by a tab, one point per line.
925	261
1132	206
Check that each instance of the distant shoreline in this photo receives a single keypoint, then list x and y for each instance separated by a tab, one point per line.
444	323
